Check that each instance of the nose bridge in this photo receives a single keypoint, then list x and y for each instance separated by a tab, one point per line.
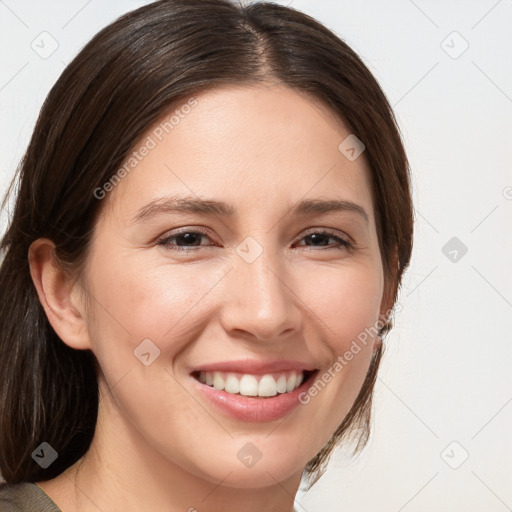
260	301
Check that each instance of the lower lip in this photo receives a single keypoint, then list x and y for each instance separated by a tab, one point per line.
246	408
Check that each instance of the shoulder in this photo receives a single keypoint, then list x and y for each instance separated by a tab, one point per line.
25	497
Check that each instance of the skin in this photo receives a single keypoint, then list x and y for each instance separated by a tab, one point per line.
159	445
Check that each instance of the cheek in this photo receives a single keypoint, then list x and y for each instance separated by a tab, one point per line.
136	299
154	302
347	305
346	301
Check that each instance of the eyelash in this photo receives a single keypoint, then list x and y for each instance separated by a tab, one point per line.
344	244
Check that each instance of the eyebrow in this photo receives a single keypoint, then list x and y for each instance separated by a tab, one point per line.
177	204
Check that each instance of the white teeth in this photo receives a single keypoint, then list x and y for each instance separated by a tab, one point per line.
232	384
290	383
248	385
281	384
268	386
218	381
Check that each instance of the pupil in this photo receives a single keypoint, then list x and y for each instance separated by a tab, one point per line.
316	237
188	237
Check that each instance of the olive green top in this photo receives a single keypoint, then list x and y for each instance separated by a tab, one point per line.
25	497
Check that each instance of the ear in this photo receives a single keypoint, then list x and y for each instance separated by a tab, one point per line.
59	295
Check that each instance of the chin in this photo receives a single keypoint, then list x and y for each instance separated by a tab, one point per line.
260	475
239	470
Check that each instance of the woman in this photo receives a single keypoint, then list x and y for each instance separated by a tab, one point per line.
212	223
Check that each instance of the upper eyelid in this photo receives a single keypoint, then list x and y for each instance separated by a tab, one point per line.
329	231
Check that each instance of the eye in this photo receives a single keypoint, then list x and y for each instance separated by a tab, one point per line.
191	239
318	237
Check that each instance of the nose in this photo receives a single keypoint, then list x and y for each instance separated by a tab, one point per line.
258	300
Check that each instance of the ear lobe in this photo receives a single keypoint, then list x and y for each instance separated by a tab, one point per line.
55	288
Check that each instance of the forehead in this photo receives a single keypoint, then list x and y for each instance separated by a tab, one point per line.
255	146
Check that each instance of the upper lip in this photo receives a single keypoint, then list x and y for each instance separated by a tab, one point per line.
255	367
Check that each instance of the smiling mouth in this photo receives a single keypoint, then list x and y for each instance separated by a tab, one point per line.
252	385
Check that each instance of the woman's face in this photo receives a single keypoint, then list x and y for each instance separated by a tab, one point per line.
248	278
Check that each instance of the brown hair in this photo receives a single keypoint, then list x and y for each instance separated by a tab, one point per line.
119	84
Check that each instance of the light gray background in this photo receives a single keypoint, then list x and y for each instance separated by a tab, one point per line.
444	391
